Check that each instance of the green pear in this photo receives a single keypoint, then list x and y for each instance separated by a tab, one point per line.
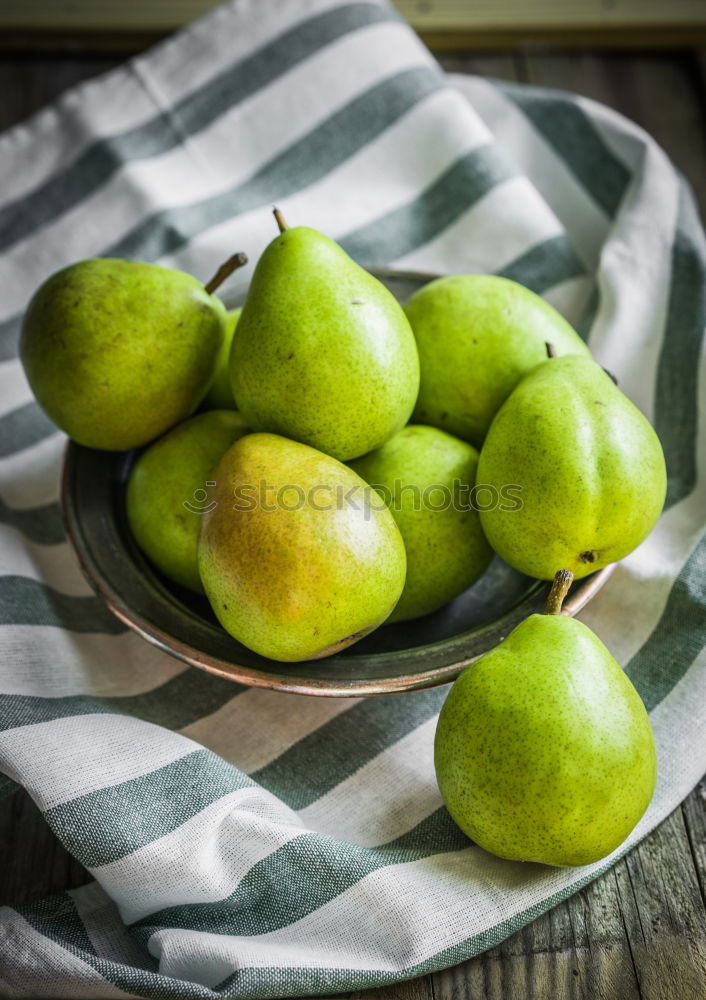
117	352
585	464
478	335
220	393
322	353
167	489
543	749
426	477
295	560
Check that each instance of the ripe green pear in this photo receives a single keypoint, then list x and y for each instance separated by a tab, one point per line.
477	336
117	352
220	393
589	468
167	489
296	562
543	748
322	353
426	477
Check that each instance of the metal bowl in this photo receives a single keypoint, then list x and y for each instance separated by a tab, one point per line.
400	657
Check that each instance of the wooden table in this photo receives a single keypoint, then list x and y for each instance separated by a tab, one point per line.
639	931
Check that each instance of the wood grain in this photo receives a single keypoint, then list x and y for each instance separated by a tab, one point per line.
443	24
32	861
662	908
427	15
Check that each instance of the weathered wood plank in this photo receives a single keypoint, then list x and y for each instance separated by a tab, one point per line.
615	37
577	951
664	914
637	933
694	813
433	15
32	861
456	16
604	969
413	989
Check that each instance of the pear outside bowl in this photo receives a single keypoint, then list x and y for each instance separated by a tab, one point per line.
400	657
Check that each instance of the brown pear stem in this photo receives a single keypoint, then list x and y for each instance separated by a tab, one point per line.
560	588
225	270
280	220
551	349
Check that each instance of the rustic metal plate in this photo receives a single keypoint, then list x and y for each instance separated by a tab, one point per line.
423	653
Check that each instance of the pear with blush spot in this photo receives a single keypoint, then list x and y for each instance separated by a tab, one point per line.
299	557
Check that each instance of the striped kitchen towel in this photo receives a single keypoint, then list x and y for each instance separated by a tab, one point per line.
248	843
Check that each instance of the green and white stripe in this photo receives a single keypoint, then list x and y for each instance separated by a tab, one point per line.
247	843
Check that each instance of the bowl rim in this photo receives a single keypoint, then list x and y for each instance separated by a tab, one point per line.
582	592
585	590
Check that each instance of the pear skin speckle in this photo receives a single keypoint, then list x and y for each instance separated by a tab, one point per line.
446	549
171	473
295	574
543	750
478	335
592	479
117	352
323	353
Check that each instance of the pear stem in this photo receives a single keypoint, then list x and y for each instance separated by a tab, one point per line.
280	220
225	270
551	350
560	588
